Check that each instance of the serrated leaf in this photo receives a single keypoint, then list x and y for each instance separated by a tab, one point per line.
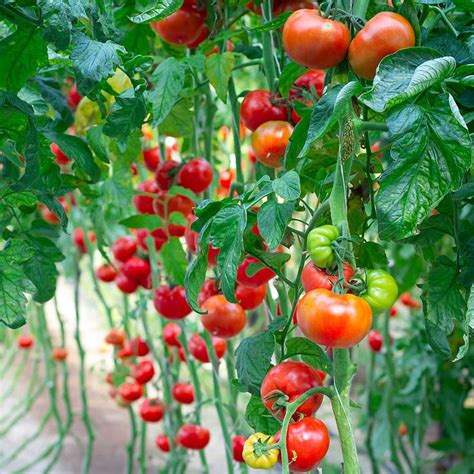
287	186
142	221
194	279
128	113
173	258
259	418
310	352
179	122
219	70
160	10
272	220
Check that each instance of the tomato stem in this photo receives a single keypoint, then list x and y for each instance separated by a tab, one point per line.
235	109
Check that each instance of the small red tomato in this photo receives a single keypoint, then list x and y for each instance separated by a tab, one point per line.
143	372
136	269
190	236
250	298
171	302
407	299
212	255
238	442
375	340
171	332
131	391
198	348
226	178
208	289
152	410
125	351
125	285
223	319
269	142
79	239
163	443
260	106
123	248
252	155
258	278
403	429
393	311
166	173
106	273
115	337
59	354
152	157
139	346
183	393
61	158
193	437
144	203
73	97
25	341
196	175
165	205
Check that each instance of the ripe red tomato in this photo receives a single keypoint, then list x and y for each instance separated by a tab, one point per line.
163	443
312	79
198	349
164	205
73	97
292	379
131	391
136	269
115	337
259	106
238	442
139	346
144	204
208	289
314	41
106	273
61	158
125	285
375	340
252	155
166	173
152	410
79	240
171	302
193	437
383	34
223	319
152	158
143	372
171	332
203	35
269	142
196	175
313	277
307	442
183	393
25	341
226	178
125	351
334	320
123	248
259	278
250	298
393	311
408	300
59	354
159	237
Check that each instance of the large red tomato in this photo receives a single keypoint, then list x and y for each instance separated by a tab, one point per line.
144	204
313	41
258	278
313	277
384	34
193	437
259	106
250	298
152	410
171	302
198	348
307	442
223	319
196	175
292	379
334	320
270	140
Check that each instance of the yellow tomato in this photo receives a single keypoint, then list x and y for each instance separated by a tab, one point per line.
256	453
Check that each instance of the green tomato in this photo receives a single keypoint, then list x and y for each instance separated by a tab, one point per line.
319	245
381	291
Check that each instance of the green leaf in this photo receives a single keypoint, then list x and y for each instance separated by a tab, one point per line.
311	353
431	153
142	221
273	24
370	255
194	279
128	113
179	122
173	258
272	220
160	10
21	53
406	74
290	73
57	23
468	326
287	186
177	218
31	95
168	81
218	70
98	142
253	360
23	198
259	418
93	60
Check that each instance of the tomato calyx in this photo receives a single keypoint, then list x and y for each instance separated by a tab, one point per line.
281	401
261	446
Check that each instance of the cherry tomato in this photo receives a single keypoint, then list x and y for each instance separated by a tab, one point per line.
313	277
115	337
143	372
334	320
159	238
125	351
152	158
259	106
381	291
163	443
223	319
259	278
208	289
196	175
319	245
131	391
193	437
59	354
290	379
307	442
250	298
164	205
139	346
61	158
269	142
226	178
136	269
125	285
255	456
123	248
166	173
238	442
383	34
375	340
106	273
183	393
171	332
313	41
25	341
144	204
73	97
393	311
171	302
152	410
198	348
408	300
79	240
